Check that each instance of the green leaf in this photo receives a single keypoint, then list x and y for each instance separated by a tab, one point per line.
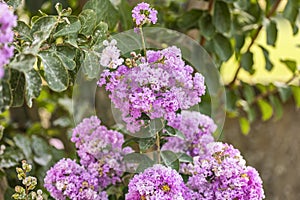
170	130
244	125
141	160
100	34
5	94
184	158
105	11
41	151
206	27
222	47
285	92
70	26
247	62
189	19
251	113
269	64
56	74
14	3
87	18
277	106
170	159
266	109
1	131
23	62
33	86
24	143
239	42
248	92
17	83
91	64
67	61
221	17
23	31
10	158
291	64
291	11
271	33
41	31
296	94
146	143
125	13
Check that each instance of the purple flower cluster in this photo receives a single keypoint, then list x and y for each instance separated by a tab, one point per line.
158	86
143	14
100	150
68	180
111	55
222	174
197	129
7	21
157	182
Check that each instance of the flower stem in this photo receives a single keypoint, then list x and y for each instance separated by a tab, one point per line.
158	147
143	41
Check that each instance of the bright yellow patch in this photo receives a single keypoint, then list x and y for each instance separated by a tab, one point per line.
166	188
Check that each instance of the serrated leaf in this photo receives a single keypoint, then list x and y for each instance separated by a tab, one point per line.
296	94
222	47
277	106
206	27
244	125
247	62
291	11
69	27
41	30
23	62
23	31
221	17
291	64
189	19
170	159
266	109
87	18
269	64
56	74
105	11
285	92
91	64
17	84
33	85
271	33
24	144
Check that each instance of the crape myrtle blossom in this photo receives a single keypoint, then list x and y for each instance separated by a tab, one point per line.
143	13
197	129
222	174
111	55
157	182
68	180
158	86
7	21
100	150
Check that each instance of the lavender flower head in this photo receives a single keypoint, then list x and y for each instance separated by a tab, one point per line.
143	14
222	174
68	180
7	21
158	86
197	129
157	182
100	150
